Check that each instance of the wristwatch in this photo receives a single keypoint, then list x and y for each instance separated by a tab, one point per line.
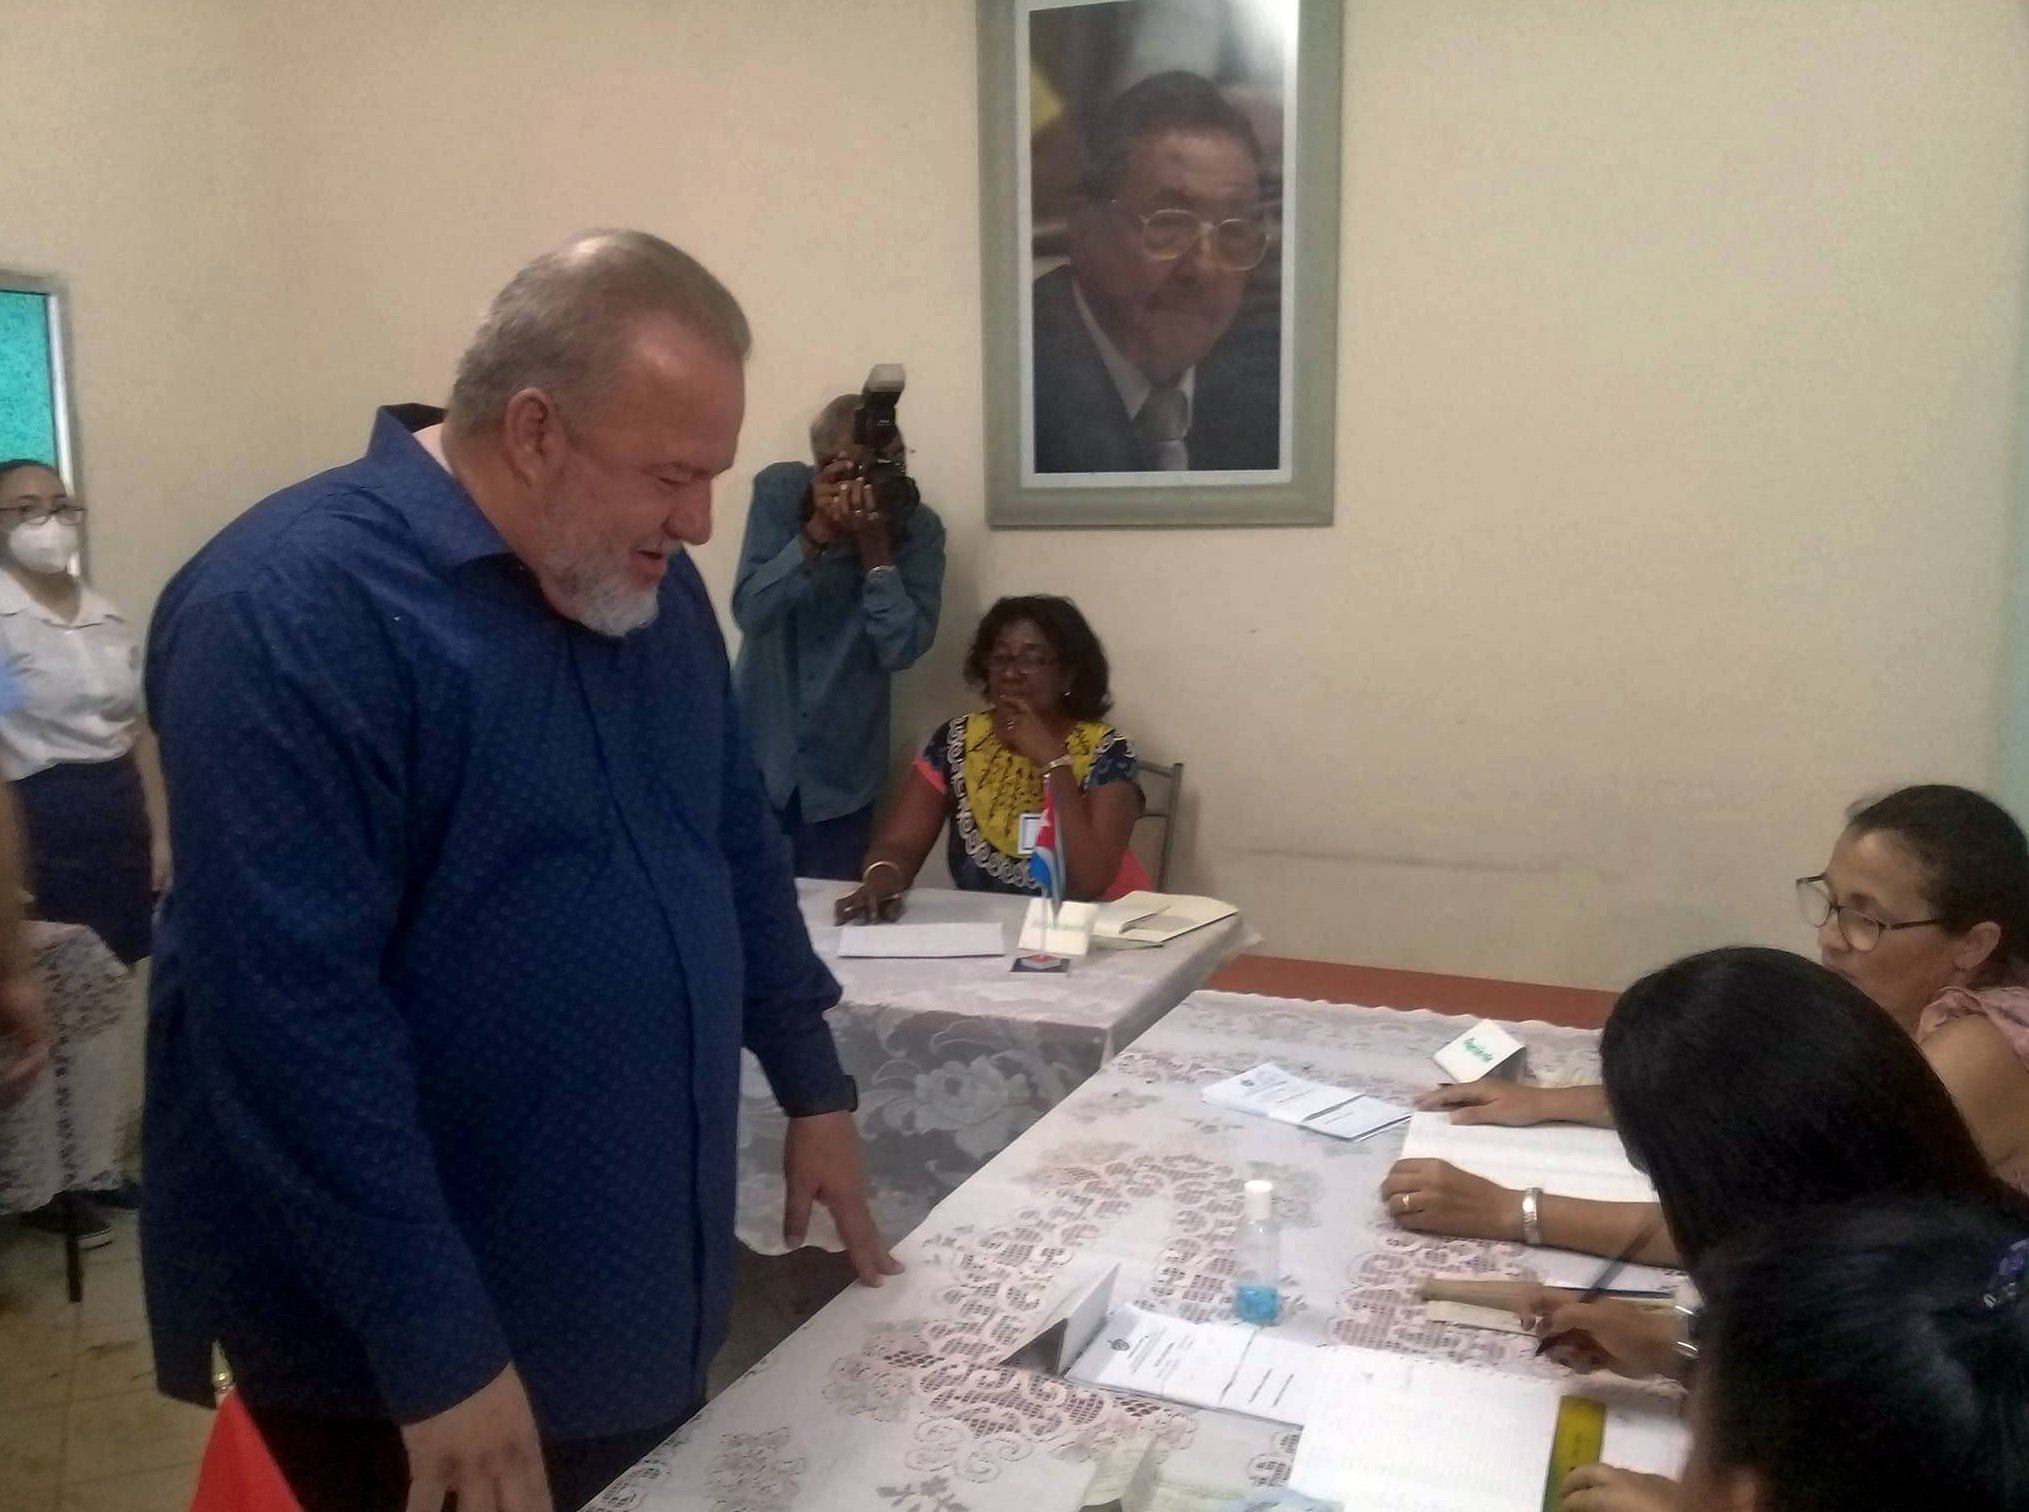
874	572
1532	1216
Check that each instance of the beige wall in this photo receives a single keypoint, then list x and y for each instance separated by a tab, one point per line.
128	167
1679	349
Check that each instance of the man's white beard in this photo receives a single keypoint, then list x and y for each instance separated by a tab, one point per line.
612	608
595	592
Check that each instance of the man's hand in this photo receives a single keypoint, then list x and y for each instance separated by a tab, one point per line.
1436	1197
25	1037
830	503
821	1163
484	1451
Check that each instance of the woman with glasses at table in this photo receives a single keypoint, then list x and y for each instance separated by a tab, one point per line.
1924	906
985	774
75	748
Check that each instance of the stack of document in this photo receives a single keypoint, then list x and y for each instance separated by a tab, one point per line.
1272	1092
1152	918
1561	1158
1393	1431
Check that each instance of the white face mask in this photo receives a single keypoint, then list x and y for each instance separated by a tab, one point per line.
46	546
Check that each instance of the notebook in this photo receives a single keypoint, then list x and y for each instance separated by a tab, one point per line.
1152	918
1561	1158
1394	1433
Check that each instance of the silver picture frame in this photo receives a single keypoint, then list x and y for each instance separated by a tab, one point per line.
1081	57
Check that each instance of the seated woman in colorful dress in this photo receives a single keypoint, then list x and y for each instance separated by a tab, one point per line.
986	774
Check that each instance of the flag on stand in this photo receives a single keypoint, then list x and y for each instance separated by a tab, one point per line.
1046	861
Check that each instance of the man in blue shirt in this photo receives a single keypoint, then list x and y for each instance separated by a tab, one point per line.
832	599
477	898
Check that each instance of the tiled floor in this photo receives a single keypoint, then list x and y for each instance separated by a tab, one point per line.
81	1427
83	1430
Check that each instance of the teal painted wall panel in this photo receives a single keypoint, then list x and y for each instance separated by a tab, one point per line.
27	400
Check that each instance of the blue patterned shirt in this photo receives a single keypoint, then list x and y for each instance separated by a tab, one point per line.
473	911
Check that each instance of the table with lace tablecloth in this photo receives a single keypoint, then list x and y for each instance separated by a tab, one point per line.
954	1058
893	1400
65	1133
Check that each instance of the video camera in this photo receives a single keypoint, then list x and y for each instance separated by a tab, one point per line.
884	470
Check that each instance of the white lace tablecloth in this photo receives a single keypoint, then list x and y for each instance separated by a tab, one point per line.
891	1400
65	1132
954	1058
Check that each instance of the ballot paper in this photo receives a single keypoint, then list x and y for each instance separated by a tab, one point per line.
1561	1158
1272	1092
926	942
1228	1367
1402	1434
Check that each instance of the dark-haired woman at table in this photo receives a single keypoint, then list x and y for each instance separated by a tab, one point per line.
1924	906
1047	687
1867	1358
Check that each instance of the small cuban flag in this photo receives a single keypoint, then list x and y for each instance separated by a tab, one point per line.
1046	861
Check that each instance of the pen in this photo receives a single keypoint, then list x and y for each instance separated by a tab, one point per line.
1605	1278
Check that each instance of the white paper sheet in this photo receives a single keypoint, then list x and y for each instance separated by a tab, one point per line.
1568	1268
1561	1158
1271	1092
1651	1440
928	942
1081	1307
1226	1366
1400	1434
1152	918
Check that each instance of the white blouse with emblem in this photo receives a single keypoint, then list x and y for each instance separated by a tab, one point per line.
79	682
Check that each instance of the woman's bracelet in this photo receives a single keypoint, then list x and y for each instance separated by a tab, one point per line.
874	866
1062	763
1532	1216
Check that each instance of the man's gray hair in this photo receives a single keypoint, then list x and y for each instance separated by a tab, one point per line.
832	428
563	323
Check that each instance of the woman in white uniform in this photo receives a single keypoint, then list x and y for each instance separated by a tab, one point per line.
75	748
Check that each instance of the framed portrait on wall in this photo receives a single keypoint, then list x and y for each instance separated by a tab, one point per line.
1159	202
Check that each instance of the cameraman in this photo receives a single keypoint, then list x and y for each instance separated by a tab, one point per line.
834	595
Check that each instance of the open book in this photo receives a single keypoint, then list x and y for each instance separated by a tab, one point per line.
1152	918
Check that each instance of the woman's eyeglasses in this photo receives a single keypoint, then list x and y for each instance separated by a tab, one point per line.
68	511
1860	931
1019	661
1238	242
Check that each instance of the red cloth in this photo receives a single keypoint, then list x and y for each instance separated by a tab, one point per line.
238	1473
